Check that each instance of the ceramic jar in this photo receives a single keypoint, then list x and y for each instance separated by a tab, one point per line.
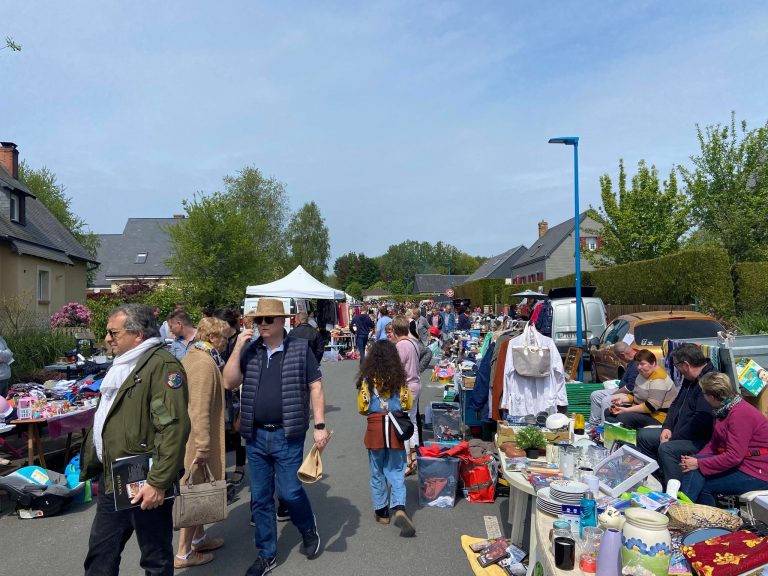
645	541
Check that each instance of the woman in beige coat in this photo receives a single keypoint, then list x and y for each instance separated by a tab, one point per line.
205	446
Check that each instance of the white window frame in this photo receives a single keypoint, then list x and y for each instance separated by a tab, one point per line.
43	292
15	211
139	259
591	243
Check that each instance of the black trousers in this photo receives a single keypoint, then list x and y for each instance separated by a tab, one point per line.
112	529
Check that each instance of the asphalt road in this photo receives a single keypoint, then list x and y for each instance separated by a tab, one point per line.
353	543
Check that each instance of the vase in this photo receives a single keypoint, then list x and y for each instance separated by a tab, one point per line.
609	554
532	453
645	541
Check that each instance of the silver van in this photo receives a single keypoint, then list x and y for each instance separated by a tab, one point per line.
593	317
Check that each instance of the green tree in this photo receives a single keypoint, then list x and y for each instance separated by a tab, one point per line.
44	185
728	188
308	240
643	222
352	267
231	239
355	289
397	287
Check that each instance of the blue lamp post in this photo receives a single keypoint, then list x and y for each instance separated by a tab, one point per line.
574	141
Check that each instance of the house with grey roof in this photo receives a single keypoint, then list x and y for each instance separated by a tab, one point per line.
499	266
552	254
139	253
437	283
40	260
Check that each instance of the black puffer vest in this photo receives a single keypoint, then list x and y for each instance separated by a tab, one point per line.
295	392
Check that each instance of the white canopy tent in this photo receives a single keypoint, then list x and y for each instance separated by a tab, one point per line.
297	284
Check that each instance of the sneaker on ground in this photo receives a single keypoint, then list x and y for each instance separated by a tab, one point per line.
311	540
406	525
251	522
282	512
194	559
261	566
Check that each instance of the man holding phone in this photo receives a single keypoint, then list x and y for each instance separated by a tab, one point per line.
279	376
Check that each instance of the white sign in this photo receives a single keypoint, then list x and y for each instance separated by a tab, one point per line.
449	292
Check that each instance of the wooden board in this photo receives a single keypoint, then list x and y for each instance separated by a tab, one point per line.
571	364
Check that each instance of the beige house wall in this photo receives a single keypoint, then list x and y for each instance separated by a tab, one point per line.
19	276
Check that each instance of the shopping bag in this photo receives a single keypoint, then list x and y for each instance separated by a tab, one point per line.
202	503
530	359
478	475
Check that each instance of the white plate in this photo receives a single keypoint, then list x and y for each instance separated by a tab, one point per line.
568	486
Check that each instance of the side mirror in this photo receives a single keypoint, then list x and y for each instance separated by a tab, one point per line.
594	342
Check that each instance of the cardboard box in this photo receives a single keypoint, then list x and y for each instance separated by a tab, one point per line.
752	377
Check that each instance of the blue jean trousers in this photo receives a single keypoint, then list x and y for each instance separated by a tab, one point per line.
387	469
702	489
361	342
273	461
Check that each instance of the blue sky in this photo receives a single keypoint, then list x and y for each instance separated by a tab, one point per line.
402	120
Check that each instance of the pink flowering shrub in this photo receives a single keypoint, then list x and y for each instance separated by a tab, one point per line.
72	314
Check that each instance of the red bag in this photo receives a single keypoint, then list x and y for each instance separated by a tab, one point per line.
479	478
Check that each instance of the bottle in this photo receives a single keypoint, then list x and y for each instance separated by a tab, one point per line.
578	424
588	511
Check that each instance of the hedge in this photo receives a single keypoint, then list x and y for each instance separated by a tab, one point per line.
751	280
702	276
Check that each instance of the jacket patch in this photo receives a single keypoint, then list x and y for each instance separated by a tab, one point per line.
174	380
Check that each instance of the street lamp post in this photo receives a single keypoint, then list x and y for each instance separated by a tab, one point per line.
574	141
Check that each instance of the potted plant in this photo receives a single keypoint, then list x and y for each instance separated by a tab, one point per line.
531	439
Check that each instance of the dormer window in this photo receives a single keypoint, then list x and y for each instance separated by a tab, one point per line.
15	208
141	258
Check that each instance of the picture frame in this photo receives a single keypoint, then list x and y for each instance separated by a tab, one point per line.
623	469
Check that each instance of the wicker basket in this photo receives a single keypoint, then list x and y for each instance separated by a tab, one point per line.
688	517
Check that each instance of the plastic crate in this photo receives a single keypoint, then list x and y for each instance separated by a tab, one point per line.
579	397
446	422
438	481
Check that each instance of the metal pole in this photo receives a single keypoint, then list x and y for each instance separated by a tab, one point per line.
577	241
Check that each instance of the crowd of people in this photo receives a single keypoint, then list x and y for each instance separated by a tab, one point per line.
702	432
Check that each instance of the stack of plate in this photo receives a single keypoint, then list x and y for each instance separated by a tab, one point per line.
568	491
560	492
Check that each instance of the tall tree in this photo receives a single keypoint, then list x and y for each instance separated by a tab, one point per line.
728	188
308	240
44	185
352	267
645	221
231	239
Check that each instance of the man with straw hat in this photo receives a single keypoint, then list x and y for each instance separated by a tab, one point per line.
279	376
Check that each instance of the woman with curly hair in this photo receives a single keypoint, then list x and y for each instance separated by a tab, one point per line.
382	388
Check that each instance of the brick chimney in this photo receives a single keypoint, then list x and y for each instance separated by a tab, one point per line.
543	228
9	158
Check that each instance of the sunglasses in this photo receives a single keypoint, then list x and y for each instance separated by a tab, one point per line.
113	333
264	320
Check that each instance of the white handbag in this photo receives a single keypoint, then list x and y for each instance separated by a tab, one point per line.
530	359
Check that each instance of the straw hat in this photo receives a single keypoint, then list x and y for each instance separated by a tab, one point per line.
268	307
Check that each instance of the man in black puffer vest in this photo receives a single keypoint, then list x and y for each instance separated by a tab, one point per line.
280	375
303	329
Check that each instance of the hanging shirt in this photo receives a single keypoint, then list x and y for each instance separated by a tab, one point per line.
528	395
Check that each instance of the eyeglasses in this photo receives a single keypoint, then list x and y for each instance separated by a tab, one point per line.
264	320
113	333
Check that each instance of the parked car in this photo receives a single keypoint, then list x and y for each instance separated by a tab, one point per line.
564	316
645	330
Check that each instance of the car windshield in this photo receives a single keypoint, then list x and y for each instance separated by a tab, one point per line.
654	333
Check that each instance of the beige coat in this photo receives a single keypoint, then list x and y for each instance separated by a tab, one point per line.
206	413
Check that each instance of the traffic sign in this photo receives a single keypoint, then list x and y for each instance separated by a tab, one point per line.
449	292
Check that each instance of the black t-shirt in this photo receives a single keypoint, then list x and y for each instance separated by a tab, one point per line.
268	404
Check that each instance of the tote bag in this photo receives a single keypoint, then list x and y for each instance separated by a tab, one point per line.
529	358
202	503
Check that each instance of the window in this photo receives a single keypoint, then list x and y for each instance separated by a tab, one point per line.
15	208
43	286
615	332
653	333
591	243
539	276
141	258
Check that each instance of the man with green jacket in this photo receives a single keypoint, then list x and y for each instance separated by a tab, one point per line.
143	410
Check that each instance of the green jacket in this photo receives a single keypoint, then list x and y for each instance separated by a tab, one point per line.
149	414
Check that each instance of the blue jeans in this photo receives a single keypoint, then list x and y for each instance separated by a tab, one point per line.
702	489
667	454
361	342
387	466
272	459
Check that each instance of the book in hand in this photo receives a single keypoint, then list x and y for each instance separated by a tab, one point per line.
129	475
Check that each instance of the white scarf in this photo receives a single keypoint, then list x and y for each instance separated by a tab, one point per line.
122	366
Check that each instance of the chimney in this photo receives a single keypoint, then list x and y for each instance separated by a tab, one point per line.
9	158
543	228
179	216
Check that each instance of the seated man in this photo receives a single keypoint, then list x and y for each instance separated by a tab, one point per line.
689	422
602	399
